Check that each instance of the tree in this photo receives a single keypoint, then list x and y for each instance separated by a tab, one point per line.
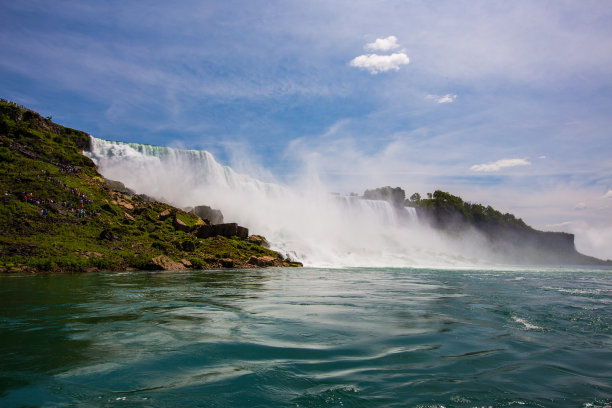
416	197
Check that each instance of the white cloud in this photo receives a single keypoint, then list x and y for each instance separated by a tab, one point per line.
608	194
383	44
448	98
498	165
380	63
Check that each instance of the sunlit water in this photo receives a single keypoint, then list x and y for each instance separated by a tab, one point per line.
308	338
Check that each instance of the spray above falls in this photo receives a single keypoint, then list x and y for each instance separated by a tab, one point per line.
309	225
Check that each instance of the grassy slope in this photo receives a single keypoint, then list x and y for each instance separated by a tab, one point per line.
42	161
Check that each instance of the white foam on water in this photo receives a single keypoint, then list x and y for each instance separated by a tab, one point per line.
525	323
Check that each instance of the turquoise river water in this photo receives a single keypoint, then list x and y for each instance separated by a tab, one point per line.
516	337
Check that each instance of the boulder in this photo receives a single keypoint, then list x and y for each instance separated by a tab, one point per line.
163	262
264	261
224	230
206	213
164	215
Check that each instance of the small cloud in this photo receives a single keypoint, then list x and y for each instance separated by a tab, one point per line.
383	44
498	165
608	194
542	157
581	206
380	63
448	98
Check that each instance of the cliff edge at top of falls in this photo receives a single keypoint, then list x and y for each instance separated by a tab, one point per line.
58	214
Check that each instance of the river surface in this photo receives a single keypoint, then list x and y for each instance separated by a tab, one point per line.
522	337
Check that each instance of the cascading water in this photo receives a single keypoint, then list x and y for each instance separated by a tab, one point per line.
315	227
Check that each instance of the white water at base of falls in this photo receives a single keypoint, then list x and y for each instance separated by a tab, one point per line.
308	225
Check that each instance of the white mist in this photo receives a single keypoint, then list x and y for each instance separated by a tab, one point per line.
307	224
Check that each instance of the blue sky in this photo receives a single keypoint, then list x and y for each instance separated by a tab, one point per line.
503	103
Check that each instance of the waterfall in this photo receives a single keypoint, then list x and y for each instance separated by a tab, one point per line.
315	227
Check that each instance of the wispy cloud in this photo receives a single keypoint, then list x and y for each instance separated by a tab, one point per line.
383	44
448	98
499	165
380	63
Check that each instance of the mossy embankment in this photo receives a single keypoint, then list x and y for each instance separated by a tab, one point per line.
58	214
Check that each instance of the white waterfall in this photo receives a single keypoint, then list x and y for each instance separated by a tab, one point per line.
315	227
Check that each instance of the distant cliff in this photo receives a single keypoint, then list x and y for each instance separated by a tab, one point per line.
58	214
508	236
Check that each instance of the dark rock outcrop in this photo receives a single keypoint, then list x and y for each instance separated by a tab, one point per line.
224	230
108	235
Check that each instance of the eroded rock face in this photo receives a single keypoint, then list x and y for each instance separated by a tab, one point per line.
164	263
